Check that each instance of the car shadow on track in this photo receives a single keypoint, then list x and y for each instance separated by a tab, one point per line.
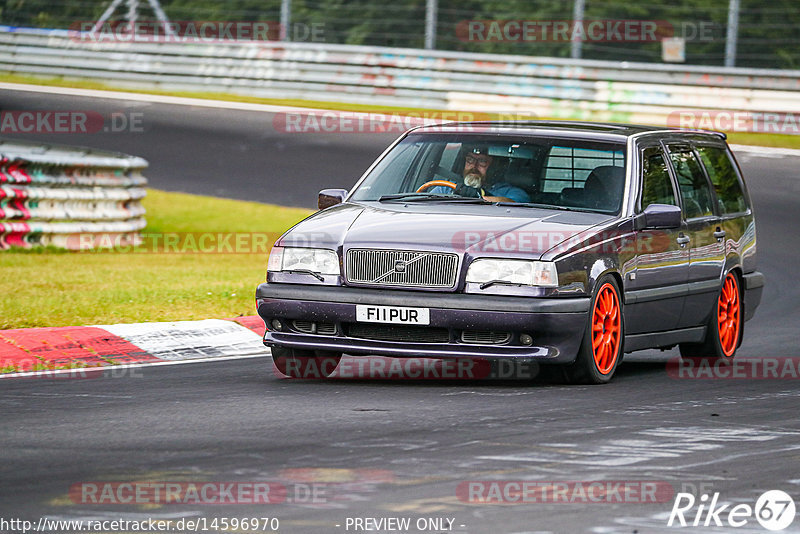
374	370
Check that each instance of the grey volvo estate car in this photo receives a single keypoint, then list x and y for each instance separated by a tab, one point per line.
565	243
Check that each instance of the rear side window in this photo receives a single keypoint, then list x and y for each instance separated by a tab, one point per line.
694	187
656	184
723	176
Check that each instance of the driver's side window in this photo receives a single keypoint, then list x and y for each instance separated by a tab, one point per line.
656	183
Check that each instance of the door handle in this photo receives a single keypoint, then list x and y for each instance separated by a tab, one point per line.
719	234
683	240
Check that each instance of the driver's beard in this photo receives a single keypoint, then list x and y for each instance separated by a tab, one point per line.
473	180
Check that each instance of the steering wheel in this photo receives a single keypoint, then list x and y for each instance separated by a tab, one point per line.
433	183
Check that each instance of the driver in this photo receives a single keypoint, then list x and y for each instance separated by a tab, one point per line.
476	165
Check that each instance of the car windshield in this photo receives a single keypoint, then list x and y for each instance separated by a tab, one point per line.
583	175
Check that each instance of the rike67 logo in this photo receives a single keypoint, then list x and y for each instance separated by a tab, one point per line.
774	510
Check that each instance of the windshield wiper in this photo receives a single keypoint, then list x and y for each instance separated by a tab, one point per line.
416	197
409	195
543	206
308	272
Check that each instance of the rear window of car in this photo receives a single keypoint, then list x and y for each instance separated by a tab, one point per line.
719	167
570	166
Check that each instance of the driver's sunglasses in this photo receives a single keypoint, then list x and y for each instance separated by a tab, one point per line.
482	162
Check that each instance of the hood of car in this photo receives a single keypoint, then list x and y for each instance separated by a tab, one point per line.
479	230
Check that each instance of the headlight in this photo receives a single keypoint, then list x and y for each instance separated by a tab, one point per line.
523	272
316	260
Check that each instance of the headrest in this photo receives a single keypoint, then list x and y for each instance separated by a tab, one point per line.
604	187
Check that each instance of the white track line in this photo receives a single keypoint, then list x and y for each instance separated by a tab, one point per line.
766	151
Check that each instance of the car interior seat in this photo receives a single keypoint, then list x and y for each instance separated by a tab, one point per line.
604	188
519	174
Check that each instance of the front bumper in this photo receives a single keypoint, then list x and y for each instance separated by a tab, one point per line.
556	325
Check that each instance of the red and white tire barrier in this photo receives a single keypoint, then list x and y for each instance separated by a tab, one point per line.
47	349
69	197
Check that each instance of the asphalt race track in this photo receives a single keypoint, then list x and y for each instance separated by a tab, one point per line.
398	449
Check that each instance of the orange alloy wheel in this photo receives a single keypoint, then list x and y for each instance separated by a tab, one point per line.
728	315
606	326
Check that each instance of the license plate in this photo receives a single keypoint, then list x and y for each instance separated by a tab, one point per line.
392	314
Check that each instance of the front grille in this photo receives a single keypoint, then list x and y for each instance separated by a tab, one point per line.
387	332
485	337
308	327
326	329
402	268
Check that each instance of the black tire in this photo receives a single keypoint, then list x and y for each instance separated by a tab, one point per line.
327	362
601	350
296	363
717	346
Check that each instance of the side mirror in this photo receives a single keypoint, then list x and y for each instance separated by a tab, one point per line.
661	216
330	197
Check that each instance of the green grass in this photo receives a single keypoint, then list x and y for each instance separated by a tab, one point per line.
743	138
763	139
48	287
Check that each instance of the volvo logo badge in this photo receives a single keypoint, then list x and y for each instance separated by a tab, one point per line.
400	266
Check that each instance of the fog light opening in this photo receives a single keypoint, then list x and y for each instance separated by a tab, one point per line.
526	339
277	325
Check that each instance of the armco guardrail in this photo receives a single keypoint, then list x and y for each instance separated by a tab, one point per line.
553	87
69	197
